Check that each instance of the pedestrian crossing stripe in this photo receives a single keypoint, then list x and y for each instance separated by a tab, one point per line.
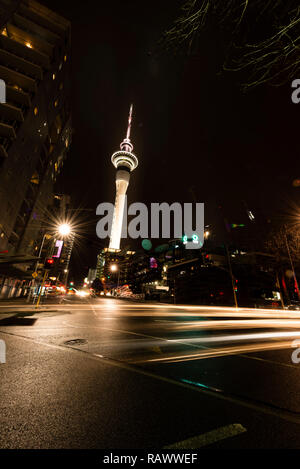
209	438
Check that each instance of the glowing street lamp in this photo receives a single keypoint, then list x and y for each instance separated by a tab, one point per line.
114	268
64	229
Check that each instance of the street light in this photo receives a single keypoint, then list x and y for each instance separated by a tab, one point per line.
114	268
64	229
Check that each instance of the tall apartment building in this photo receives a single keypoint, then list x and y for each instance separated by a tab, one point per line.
35	120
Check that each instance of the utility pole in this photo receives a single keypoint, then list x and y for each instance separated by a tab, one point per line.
231	275
42	286
291	262
279	286
31	291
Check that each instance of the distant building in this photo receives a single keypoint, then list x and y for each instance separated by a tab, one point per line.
113	266
35	121
92	273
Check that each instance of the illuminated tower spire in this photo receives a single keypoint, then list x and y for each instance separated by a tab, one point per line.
129	123
125	162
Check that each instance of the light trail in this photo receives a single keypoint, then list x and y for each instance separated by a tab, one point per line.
215	353
230	324
239	337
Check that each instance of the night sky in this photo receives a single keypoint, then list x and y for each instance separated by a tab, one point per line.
197	136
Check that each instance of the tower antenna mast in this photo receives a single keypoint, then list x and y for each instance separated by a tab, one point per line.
129	123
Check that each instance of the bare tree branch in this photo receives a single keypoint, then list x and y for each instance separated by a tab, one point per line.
261	37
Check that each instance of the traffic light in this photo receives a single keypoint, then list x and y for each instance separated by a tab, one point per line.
49	263
192	239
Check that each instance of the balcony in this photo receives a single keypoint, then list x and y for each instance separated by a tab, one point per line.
17	63
7	131
53	21
11	77
35	29
25	37
20	49
15	95
11	113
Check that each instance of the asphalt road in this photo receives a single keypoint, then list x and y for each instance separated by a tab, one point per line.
110	373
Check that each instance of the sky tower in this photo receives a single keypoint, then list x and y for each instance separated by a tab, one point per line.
125	162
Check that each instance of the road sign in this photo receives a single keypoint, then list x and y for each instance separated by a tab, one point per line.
34	274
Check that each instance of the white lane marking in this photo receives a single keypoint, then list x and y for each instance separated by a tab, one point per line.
209	438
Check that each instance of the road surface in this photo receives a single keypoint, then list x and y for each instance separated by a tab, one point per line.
110	373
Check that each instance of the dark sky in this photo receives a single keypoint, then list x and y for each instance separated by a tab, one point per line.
197	136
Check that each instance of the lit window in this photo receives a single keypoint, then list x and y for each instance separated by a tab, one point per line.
60	66
35	111
53	76
56	103
65	58
35	178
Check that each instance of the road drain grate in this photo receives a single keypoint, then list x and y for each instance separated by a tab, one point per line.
76	342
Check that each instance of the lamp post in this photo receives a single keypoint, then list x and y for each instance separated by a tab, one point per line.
114	268
35	268
291	262
64	229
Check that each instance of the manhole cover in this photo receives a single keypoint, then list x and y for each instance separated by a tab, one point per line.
76	342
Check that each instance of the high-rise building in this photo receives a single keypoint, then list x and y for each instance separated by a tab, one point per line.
35	126
113	267
125	162
35	120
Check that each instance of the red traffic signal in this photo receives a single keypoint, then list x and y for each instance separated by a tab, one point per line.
49	263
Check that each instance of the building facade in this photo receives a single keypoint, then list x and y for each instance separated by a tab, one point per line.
35	120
